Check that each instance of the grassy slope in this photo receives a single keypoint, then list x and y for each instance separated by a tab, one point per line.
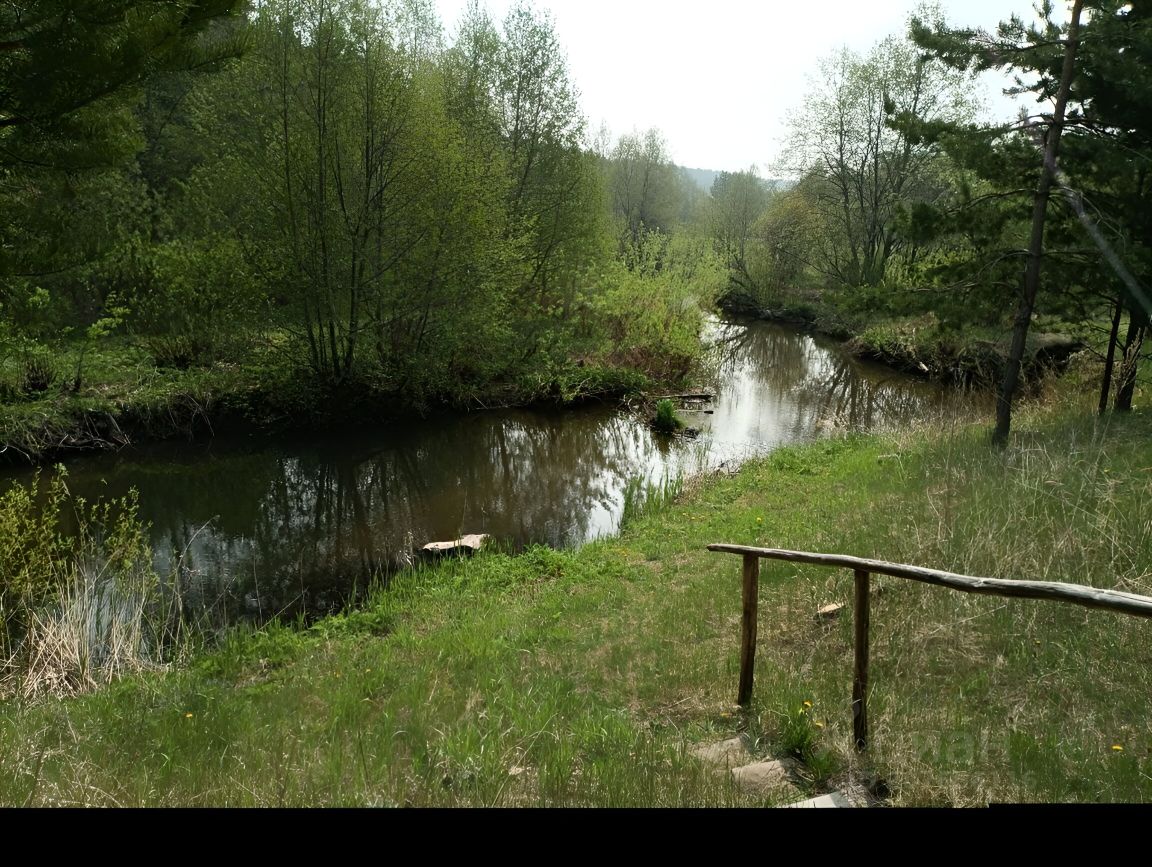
581	678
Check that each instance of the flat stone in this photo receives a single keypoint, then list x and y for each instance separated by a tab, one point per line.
470	544
830	611
832	799
729	754
764	777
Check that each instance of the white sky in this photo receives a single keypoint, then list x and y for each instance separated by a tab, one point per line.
719	77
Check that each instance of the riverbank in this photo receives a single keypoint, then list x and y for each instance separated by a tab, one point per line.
921	345
125	397
585	677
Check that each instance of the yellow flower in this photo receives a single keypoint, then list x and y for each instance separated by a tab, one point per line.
188	716
807	704
1117	748
759	520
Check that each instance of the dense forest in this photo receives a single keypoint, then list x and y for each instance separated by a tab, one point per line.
309	209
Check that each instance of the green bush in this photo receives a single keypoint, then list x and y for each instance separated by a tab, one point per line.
32	549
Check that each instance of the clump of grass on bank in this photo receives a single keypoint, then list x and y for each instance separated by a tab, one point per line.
583	678
78	607
665	420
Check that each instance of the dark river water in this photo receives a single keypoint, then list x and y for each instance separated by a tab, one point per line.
259	527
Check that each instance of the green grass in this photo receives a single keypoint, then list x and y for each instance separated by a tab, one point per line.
665	419
583	678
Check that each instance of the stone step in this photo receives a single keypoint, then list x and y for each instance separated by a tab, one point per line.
832	799
764	778
729	753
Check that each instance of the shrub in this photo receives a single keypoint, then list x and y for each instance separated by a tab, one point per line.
76	607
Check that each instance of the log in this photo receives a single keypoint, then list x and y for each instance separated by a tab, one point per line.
468	544
690	396
1075	594
829	611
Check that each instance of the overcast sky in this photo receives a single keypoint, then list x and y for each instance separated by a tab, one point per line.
719	76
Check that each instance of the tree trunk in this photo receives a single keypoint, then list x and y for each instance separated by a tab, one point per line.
1031	287
1110	357
1133	343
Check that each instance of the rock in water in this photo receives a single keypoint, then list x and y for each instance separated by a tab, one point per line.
468	544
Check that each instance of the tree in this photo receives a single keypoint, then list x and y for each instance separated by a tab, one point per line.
1115	86
645	187
739	199
862	170
69	70
552	192
71	76
349	163
1074	66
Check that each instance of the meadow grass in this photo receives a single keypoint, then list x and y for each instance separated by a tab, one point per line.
585	677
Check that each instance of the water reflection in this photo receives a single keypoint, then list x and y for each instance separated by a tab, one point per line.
261	529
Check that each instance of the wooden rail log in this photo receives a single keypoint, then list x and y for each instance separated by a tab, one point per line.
1076	594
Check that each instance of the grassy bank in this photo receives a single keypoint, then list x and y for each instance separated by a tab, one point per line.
922	344
126	396
573	678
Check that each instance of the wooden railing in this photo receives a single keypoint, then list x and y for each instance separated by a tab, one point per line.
863	569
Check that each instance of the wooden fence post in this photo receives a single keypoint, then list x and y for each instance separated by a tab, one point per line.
748	628
860	668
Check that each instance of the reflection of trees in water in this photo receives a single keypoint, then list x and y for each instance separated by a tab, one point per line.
822	384
301	530
771	356
843	392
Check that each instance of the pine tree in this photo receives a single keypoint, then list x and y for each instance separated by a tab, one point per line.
69	67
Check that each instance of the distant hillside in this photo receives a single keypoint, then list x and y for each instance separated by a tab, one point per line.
704	178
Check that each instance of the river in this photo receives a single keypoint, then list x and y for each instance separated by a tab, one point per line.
259	527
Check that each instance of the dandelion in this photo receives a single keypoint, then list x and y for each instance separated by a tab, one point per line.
188	715
1117	748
